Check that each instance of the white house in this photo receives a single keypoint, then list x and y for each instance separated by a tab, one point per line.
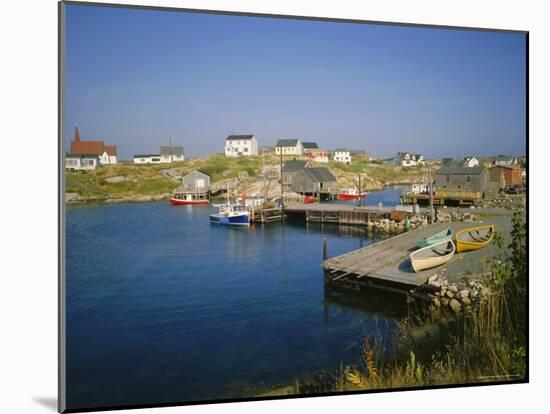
505	160
289	147
406	159
81	162
241	145
171	154
471	162
420	188
342	155
105	153
147	159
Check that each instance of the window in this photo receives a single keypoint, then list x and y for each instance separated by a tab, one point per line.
468	178
447	178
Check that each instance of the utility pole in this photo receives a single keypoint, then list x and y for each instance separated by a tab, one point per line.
171	153
431	194
282	189
360	197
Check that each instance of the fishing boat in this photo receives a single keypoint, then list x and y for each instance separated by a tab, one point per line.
182	198
432	256
440	237
474	238
231	215
310	199
350	194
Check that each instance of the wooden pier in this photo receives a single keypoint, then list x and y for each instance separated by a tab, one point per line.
339	213
385	264
266	215
443	197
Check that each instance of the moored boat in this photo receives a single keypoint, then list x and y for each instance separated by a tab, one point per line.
440	237
432	256
188	198
231	215
350	194
474	238
310	199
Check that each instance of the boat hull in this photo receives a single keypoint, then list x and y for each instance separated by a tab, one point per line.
441	237
177	202
473	238
310	199
345	197
420	262
237	220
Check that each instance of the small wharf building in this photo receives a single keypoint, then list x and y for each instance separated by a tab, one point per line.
319	182
290	168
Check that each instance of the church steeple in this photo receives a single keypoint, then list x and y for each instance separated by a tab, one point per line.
76	134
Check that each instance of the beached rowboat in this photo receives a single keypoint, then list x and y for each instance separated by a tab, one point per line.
440	237
474	238
432	256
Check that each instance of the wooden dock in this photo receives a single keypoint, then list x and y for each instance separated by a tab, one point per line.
385	263
266	215
339	213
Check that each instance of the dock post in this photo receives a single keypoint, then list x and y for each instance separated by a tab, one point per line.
325	248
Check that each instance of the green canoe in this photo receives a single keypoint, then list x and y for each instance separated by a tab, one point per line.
440	237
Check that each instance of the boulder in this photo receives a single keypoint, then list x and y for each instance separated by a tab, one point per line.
464	293
453	288
455	305
450	294
115	179
466	301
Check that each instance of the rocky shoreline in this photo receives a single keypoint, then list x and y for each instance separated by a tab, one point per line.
458	296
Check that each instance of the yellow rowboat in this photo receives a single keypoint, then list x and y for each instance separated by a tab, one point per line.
432	256
474	238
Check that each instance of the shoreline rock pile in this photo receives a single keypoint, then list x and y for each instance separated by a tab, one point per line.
456	296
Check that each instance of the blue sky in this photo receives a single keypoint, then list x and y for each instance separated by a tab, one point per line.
135	77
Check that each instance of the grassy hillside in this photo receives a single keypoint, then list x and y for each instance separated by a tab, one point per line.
150	181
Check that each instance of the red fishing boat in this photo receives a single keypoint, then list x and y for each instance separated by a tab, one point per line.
188	198
351	194
309	199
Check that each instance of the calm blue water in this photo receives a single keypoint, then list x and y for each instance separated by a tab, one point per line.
164	307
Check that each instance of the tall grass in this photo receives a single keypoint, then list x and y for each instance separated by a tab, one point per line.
486	343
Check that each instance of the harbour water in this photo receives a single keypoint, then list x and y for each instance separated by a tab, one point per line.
164	307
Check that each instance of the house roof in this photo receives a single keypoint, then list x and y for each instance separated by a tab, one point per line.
507	167
341	150
196	172
287	143
460	171
175	150
87	147
310	145
239	137
318	175
504	158
294	165
110	149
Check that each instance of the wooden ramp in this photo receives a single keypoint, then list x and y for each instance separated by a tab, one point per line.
387	260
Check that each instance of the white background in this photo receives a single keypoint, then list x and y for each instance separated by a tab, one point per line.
28	254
